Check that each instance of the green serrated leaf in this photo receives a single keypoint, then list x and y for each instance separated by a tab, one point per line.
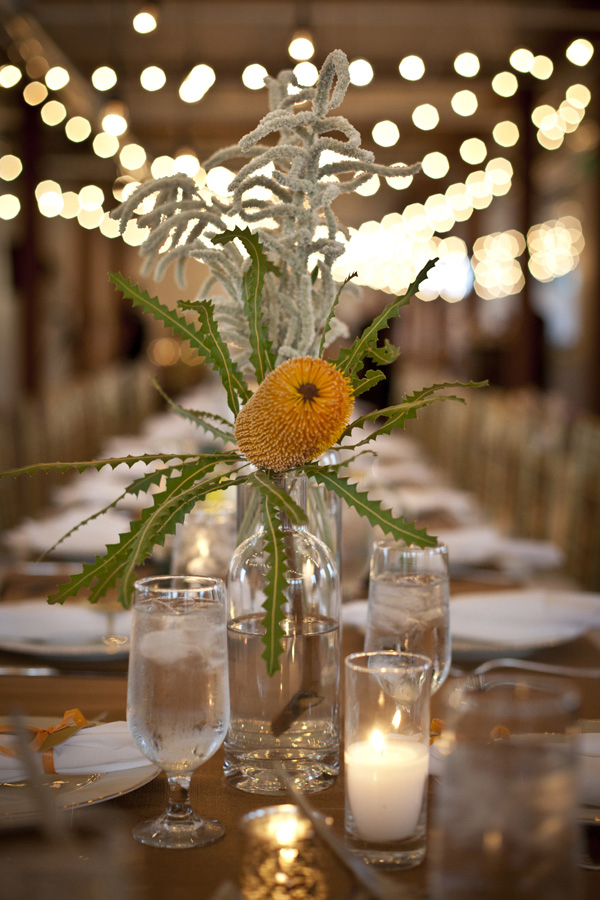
332	310
278	497
372	510
275	585
397	415
134	545
98	464
159	311
384	355
231	377
350	360
261	357
369	379
223	429
140	485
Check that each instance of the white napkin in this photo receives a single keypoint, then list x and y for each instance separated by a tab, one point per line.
38	535
97	749
40	622
523	618
481	544
416	501
471	544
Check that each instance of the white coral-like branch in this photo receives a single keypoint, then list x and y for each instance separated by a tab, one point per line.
286	194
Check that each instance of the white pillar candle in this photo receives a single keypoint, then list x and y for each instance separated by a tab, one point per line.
385	780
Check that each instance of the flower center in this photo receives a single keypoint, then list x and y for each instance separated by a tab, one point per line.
308	391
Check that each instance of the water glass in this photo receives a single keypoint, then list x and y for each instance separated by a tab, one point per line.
409	603
504	819
204	543
177	697
387	756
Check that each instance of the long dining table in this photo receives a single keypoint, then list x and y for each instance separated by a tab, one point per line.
99	690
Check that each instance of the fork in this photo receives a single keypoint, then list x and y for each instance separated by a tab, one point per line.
530	666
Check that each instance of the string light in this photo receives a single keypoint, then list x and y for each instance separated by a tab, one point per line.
412	68
386	133
132	156
57	78
464	103
306	74
360	72
435	164
105	145
35	93
505	84
466	64
473	151
522	60
9	76
146	19
580	51
153	78
301	47
425	116
53	112
114	118
10	206
197	83
78	129
10	167
253	76
542	67
505	133
104	78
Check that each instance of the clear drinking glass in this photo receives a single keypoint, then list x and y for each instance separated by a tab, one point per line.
204	543
178	698
386	737
505	803
409	603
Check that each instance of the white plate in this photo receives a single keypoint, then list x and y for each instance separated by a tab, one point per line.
73	631
70	791
519	622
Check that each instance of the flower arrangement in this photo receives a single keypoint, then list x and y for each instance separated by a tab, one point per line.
269	247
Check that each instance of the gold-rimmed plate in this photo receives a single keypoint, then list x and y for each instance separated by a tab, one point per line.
69	791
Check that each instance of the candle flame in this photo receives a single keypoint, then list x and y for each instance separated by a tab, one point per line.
377	741
397	719
286	832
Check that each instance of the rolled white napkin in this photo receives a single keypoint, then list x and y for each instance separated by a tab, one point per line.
98	749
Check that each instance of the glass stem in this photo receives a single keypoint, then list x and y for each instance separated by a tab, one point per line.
179	806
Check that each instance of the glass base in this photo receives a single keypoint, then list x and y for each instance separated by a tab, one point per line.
173	835
260	777
392	859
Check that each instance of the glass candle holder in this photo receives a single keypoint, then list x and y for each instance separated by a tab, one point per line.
387	756
505	804
280	858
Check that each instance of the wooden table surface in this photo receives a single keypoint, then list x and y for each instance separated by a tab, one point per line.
196	874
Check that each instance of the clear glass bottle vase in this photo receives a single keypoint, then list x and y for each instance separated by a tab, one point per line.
293	716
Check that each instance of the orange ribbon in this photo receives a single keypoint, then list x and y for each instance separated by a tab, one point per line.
73	719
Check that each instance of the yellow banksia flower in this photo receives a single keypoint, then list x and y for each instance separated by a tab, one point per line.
299	411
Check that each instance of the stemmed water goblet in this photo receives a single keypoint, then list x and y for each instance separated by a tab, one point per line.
177	697
408	608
